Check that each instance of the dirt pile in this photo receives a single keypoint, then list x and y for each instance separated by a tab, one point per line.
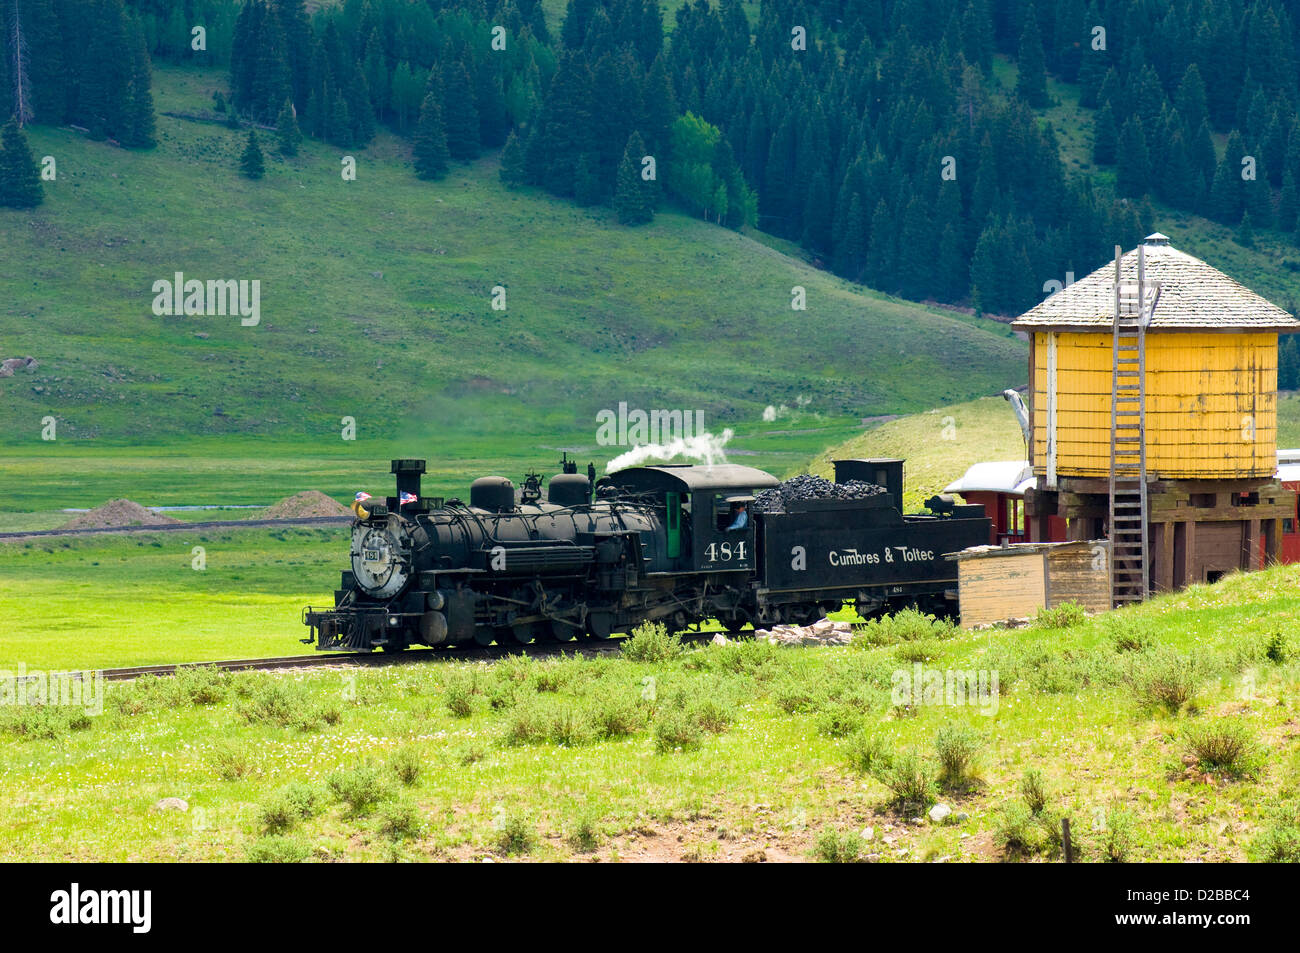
118	513
305	504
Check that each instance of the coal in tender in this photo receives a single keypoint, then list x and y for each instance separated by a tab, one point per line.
807	486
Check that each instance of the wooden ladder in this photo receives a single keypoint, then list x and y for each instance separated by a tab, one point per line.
1128	517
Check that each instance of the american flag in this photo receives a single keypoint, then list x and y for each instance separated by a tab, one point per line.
406	498
361	496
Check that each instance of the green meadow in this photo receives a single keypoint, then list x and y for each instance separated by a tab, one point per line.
1164	732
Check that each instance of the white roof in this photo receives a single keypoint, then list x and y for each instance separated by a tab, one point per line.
1192	296
999	476
1288	472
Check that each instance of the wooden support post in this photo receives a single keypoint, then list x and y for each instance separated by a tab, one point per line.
1166	581
1272	533
1191	571
1252	544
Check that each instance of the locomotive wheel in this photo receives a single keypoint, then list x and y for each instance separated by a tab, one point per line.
524	633
559	632
392	648
484	635
599	625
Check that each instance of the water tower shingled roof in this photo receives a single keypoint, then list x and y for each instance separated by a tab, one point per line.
1193	296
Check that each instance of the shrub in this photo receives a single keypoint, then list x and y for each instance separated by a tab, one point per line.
650	642
399	821
513	835
293	803
231	761
910	780
1227	746
1277	844
553	677
43	721
832	847
922	650
793	696
287	704
869	753
711	714
1034	791
277	849
838	720
1131	635
674	729
1063	616
957	747
1164	679
406	765
617	716
201	685
1020	832
360	788
584	835
462	686
536	720
1117	838
909	625
1277	648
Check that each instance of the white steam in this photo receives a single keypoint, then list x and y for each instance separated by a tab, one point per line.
704	448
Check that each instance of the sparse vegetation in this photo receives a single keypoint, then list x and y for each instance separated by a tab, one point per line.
651	642
1063	616
1225	746
957	747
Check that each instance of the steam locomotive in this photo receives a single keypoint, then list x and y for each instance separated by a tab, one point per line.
645	543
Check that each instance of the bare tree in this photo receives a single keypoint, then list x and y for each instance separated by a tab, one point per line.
22	87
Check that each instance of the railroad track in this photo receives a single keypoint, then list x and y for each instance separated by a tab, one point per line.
181	527
457	653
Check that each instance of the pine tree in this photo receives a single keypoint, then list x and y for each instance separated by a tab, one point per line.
586	180
1031	84
431	153
460	120
513	173
1104	136
287	133
138	129
986	270
1133	161
1245	235
20	183
251	163
1288	205
634	198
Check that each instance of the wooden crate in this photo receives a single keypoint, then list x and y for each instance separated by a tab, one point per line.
996	583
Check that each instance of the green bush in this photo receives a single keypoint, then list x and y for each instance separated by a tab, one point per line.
1164	678
1226	745
910	781
295	802
1020	832
287	704
616	715
462	686
399	821
277	849
921	650
792	696
231	761
1034	791
201	685
1131	635
958	746
832	847
1277	844
651	642
584	834
406	765
513	834
537	720
869	753
1117	838
1064	616
909	625
360	788
43	721
838	720
1277	648
674	729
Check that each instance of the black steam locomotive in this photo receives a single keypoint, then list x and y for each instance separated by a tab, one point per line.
646	543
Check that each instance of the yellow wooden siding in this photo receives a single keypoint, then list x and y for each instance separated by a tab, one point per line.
1205	393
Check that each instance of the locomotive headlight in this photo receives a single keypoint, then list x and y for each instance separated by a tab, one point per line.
380	560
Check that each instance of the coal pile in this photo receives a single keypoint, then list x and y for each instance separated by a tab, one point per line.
806	486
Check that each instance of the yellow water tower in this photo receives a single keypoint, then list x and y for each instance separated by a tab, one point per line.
1153	393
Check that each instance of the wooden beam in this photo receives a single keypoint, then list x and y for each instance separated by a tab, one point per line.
1190	573
1252	544
1165	582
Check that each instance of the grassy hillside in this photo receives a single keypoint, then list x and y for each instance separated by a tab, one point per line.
376	303
1166	732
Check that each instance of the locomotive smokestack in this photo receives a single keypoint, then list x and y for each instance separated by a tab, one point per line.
408	476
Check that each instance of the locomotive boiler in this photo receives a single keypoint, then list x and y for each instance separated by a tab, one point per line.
585	558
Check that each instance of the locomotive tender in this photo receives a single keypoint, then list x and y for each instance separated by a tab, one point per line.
645	543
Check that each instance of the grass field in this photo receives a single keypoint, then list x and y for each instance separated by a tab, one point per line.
1165	733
